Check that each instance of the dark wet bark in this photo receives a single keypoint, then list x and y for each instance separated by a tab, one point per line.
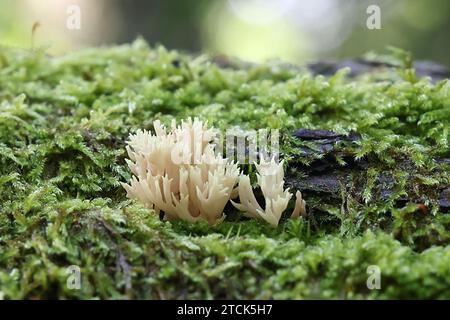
326	178
357	66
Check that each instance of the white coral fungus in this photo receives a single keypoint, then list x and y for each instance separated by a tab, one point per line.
178	172
271	180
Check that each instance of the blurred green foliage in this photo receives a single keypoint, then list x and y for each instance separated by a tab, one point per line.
420	26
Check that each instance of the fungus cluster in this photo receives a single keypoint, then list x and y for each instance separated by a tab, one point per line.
178	173
271	180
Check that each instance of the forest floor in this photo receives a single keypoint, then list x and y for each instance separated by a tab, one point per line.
369	151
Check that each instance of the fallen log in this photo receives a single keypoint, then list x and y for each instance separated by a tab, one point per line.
327	178
324	178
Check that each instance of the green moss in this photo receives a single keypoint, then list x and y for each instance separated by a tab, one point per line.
63	126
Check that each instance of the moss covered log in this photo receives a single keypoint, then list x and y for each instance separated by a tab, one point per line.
369	151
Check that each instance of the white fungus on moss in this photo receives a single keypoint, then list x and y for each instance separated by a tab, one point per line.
178	173
271	180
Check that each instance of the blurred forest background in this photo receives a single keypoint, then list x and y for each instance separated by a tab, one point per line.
255	30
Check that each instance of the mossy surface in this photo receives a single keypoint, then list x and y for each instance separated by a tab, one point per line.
63	126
